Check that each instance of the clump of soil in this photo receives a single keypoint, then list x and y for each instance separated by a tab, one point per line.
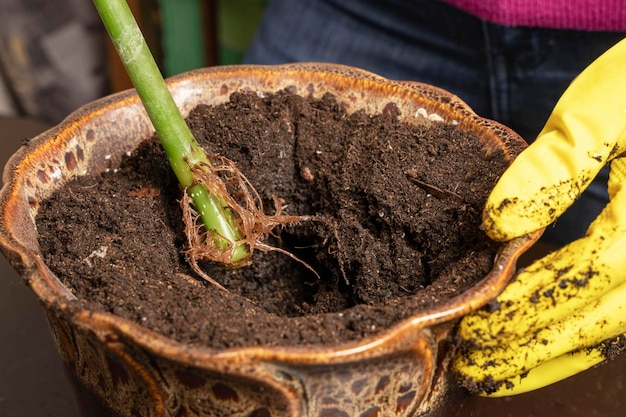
401	207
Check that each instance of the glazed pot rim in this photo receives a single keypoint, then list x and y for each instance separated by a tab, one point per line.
111	328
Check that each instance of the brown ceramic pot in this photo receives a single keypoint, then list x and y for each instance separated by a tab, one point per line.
402	371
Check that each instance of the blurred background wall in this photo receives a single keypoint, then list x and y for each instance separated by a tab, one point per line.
55	55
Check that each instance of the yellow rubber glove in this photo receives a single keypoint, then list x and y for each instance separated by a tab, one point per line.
563	313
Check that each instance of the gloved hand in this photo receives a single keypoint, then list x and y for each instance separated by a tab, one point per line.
567	311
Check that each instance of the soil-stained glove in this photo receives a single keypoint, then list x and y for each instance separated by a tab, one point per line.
567	311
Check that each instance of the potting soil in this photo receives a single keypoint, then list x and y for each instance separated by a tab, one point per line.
400	208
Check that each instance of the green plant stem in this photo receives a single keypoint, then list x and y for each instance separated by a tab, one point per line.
180	146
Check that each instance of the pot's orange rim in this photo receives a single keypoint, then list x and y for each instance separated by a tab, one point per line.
405	333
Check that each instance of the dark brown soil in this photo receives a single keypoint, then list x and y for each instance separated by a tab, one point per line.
401	206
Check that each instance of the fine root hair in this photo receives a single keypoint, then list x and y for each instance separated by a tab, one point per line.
241	200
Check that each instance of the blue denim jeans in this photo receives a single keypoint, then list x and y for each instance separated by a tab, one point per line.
510	74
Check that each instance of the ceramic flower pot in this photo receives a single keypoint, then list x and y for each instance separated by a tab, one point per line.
133	371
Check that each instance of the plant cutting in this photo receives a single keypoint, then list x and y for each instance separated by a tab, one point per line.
219	227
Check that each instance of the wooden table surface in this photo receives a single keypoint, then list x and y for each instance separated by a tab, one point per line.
33	382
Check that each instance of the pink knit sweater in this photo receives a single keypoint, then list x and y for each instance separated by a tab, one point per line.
596	15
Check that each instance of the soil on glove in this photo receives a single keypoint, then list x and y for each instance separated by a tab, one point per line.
401	207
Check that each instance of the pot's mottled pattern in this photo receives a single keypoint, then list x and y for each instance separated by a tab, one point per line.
402	371
393	384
